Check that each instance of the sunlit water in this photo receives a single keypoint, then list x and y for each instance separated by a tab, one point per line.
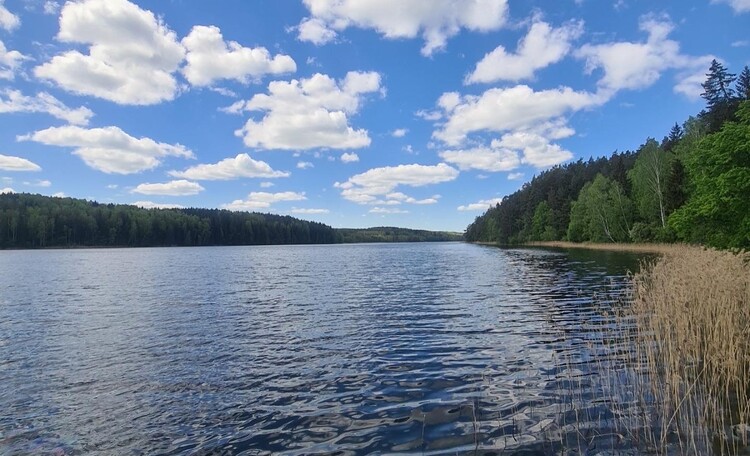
356	349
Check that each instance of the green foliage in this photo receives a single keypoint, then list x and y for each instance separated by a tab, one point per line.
29	221
541	223
602	213
743	84
718	210
648	178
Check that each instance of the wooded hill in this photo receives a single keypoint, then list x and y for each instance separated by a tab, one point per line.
36	221
693	186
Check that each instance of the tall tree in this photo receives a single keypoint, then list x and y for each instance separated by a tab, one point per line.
648	178
743	84
602	213
718	210
718	85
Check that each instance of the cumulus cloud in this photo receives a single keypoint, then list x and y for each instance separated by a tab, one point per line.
515	176
535	150
171	188
378	185
230	168
10	163
434	20
109	149
263	200
6	190
349	157
739	6
308	113
152	205
304	165
542	46
399	132
310	211
210	58
8	20
266	184
483	158
10	61
482	205
387	210
131	58
637	65
51	7
518	108
12	101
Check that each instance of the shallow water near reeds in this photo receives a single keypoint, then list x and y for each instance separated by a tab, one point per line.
444	348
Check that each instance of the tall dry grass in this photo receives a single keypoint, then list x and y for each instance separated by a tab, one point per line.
691	317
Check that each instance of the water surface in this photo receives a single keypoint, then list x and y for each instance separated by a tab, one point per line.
439	348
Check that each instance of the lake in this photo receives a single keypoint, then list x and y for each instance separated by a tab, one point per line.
434	348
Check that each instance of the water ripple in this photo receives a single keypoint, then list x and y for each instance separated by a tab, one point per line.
413	348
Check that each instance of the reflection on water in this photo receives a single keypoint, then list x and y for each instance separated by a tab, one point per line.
422	348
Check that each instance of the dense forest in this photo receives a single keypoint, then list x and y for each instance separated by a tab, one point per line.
392	234
693	186
36	221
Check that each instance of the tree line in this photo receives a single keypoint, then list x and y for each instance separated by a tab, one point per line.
36	221
692	186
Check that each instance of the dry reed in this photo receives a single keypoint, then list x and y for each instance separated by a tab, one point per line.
691	309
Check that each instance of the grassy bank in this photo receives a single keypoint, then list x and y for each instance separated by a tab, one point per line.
691	309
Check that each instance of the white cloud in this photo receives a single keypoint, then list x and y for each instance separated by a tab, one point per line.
536	150
315	31
263	200
230	168
739	6
210	58
349	157
171	188
51	7
131	58
304	165
378	185
40	183
740	43
13	101
515	176
399	132
387	210
266	184
109	149
309	113
637	65
518	108
541	47
310	211
482	205
152	205
10	163
483	158
6	190
8	20
112	186
434	20
59	195
10	61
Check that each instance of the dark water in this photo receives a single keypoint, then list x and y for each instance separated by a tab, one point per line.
356	349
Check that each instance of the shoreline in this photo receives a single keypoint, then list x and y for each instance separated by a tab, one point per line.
615	247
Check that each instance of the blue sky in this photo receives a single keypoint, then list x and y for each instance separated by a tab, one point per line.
355	113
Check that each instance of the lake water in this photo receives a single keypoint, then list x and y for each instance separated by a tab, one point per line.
440	348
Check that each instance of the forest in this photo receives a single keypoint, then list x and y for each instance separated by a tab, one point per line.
36	221
692	186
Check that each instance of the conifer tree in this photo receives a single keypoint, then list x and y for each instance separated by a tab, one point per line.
743	84
718	86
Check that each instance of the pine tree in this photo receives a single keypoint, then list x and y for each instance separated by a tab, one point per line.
743	84
717	88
